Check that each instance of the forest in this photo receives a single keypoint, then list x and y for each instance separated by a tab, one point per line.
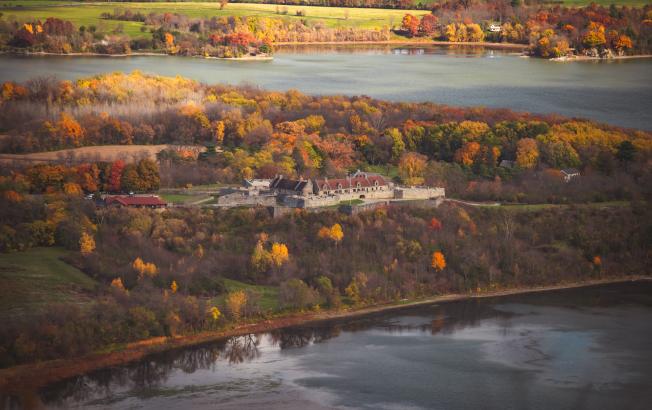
550	31
476	153
167	274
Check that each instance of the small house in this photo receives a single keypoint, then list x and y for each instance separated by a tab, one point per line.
507	164
257	184
494	28
569	173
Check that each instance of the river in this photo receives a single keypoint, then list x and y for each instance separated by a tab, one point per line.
615	92
586	348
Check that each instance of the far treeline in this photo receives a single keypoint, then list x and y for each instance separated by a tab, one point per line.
550	31
554	31
475	153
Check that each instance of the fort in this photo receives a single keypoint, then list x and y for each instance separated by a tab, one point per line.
361	187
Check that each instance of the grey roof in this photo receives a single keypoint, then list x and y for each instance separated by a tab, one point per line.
288	184
570	171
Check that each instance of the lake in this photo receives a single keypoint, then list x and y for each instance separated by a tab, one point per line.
615	92
586	348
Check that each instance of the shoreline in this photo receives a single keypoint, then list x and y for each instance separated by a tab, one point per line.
507	46
136	54
28	377
588	58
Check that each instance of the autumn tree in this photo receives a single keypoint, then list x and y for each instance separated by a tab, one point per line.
260	258
214	313
356	287
527	153
438	261
428	24
114	183
296	293
333	233
468	153
435	224
118	285
86	244
594	36
235	301
411	168
279	254
144	269
410	24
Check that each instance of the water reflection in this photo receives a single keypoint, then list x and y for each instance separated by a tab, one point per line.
541	333
451	50
155	370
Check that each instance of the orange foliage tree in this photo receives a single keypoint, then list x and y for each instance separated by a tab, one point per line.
527	153
438	261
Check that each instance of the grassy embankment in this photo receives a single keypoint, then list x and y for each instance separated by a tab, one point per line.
37	278
89	13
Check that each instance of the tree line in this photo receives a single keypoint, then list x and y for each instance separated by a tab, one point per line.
472	152
551	31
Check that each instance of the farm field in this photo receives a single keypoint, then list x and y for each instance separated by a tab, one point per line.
127	153
89	13
33	279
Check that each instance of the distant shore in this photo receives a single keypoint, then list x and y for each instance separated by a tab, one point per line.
589	58
265	57
27	377
506	46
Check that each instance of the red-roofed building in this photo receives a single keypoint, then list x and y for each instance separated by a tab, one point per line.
361	184
134	201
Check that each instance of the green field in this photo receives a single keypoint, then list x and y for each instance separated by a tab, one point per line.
184	198
268	294
89	13
638	3
33	279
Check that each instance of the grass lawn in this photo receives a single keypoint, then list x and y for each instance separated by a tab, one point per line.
35	278
182	198
89	13
539	207
390	171
268	294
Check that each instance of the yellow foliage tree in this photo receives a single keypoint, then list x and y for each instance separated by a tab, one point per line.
144	268
411	168
234	303
174	287
117	284
72	189
86	244
527	153
279	254
438	261
334	233
261	258
219	132
215	313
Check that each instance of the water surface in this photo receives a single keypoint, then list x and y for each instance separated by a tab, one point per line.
576	349
616	92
